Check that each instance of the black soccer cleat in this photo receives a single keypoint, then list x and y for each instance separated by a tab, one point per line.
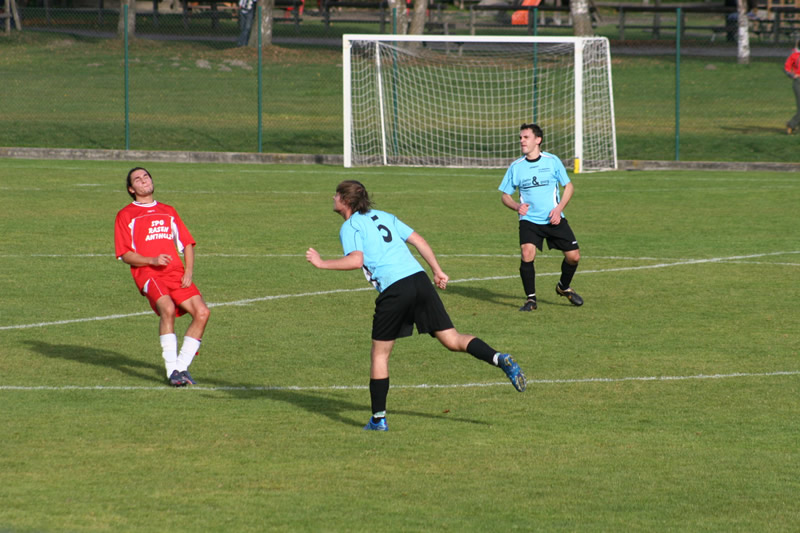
570	294
530	305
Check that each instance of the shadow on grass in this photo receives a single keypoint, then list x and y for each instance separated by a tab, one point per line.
506	300
486	295
103	358
755	129
335	408
311	401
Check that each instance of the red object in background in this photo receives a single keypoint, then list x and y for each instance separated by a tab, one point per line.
290	9
520	18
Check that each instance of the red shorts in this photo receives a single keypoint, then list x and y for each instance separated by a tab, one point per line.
168	284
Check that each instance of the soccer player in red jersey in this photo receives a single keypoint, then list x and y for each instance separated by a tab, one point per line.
792	69
148	236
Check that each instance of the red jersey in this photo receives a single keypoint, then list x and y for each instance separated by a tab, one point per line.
792	66
151	230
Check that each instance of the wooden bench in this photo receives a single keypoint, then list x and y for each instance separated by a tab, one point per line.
437	22
656	26
786	22
100	11
367	12
213	9
217	9
533	11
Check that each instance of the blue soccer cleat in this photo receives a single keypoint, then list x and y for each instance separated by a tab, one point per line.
176	379
513	371
380	425
187	378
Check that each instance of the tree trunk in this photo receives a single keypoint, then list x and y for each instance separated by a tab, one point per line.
267	8
581	19
417	26
131	19
399	7
743	34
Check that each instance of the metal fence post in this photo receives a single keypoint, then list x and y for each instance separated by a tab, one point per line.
678	30
127	82
260	71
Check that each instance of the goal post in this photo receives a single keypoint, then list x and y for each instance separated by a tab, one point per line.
458	101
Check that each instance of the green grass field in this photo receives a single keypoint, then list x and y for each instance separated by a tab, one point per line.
668	402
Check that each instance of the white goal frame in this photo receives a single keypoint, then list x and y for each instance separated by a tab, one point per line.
584	110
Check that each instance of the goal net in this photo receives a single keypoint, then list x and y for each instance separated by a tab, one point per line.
458	101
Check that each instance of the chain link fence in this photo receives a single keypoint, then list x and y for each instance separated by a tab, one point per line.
68	80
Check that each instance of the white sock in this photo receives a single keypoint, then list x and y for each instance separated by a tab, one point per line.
169	351
188	351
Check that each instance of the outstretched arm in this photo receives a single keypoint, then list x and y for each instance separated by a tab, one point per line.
352	261
425	250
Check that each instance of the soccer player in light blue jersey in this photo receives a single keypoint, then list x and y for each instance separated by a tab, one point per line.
538	177
375	241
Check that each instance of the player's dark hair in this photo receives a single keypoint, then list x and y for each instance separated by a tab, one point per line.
354	195
534	128
128	179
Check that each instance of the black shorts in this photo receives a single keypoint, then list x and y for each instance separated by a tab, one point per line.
409	301
559	237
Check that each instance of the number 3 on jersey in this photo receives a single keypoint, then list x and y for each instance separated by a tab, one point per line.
388	236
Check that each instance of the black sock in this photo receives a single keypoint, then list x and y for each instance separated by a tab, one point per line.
378	390
567	271
528	274
480	350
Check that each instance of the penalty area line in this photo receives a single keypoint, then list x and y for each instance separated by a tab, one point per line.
66	388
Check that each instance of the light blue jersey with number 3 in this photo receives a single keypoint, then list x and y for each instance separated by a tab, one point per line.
381	237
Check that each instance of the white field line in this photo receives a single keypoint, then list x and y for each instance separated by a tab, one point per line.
420	386
249	301
542	255
224	168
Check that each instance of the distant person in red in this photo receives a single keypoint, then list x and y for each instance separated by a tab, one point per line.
149	235
792	69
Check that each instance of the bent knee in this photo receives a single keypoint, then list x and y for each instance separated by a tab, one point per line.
202	313
166	308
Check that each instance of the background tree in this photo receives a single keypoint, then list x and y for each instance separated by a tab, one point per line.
399	7
417	26
743	33
131	18
267	8
581	18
